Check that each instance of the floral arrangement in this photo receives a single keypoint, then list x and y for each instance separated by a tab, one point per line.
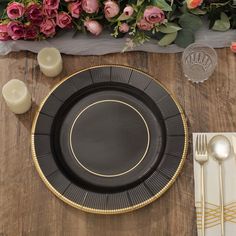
168	21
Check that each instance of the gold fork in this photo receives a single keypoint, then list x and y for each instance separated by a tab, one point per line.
201	157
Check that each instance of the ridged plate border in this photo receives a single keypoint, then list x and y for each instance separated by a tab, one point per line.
113	211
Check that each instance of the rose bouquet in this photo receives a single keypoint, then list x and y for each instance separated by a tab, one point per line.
168	21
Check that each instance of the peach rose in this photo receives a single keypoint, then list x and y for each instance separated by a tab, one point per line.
191	4
93	27
233	47
111	9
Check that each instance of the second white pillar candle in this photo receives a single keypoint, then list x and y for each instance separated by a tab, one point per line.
50	62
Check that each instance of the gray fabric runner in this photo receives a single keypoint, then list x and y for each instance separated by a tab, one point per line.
89	45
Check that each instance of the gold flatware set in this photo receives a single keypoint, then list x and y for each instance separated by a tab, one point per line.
219	148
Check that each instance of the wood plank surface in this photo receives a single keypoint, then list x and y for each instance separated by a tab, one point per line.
27	207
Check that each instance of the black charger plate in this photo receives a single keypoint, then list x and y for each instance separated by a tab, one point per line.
109	139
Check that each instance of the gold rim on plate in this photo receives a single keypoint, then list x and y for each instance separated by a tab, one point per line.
114	211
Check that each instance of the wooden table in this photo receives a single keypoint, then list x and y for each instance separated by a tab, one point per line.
27	207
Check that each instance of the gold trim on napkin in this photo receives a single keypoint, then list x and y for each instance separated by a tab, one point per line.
212	214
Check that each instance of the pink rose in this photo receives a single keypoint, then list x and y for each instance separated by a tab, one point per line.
15	10
191	4
3	32
153	15
128	10
64	20
111	9
48	27
232	47
50	13
34	14
144	25
90	6
69	0
93	27
15	30
124	28
31	32
75	9
51	4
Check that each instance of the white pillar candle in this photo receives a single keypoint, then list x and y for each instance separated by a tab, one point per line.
17	96
50	61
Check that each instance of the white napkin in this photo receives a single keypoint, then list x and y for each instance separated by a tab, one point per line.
211	168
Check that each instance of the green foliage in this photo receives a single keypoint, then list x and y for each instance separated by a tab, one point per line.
184	38
162	4
190	21
169	28
222	24
3	5
168	39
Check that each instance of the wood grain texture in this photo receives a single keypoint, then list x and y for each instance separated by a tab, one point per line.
27	207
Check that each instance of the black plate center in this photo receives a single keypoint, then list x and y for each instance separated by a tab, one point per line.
109	138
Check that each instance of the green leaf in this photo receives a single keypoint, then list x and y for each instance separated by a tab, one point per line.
139	14
169	28
198	11
184	9
162	4
190	21
140	2
168	39
184	38
220	3
3	6
223	24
